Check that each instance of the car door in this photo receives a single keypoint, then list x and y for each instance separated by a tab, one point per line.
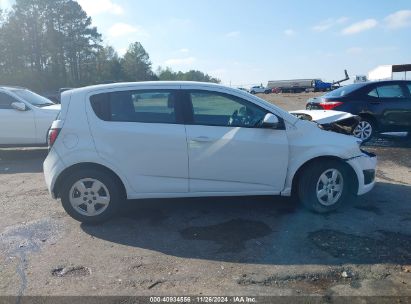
391	102
141	133
228	151
16	127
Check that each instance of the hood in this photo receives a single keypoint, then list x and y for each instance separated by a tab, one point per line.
336	121
55	107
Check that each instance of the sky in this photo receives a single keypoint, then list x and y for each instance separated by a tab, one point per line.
250	42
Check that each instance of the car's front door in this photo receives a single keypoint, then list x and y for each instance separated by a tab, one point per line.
392	103
228	150
16	127
141	133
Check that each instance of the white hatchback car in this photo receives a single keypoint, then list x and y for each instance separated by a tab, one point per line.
25	117
185	139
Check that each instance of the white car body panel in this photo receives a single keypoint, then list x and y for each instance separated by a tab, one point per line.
173	160
17	127
219	156
28	127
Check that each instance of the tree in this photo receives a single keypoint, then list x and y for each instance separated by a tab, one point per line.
192	75
49	44
136	64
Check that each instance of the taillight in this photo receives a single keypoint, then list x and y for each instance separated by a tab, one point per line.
330	105
53	133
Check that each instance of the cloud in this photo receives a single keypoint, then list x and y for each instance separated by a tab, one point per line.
94	7
329	23
184	50
289	32
180	61
398	19
124	29
354	50
5	4
360	27
233	34
121	51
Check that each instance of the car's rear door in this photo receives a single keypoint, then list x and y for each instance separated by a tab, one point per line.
228	151
141	133
16	127
391	104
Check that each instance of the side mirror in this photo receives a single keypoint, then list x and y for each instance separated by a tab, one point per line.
270	121
19	106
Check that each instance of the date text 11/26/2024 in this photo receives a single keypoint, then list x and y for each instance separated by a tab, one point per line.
203	299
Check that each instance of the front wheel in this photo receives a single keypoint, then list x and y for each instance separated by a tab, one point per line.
365	130
90	196
324	186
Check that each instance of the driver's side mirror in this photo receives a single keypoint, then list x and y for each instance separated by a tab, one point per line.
19	106
270	121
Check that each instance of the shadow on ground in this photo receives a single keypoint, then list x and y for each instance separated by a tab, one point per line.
389	141
266	230
28	160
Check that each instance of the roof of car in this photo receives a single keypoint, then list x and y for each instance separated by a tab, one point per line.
145	83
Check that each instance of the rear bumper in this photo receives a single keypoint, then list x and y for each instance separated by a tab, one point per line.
364	167
52	167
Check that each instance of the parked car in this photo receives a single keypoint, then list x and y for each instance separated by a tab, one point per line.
384	106
187	139
260	89
25	117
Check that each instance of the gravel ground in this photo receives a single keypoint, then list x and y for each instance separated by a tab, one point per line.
215	246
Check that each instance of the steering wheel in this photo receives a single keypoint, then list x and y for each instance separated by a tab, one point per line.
241	117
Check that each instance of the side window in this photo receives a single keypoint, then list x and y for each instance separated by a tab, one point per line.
210	108
390	91
135	106
373	93
409	87
6	101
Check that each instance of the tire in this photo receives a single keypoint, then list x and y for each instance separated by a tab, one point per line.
88	206
312	180
252	92
365	130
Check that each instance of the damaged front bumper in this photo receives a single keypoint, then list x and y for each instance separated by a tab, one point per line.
364	166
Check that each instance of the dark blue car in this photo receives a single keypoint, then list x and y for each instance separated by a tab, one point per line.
384	106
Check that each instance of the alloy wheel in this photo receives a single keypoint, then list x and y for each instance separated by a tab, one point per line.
363	131
330	187
89	197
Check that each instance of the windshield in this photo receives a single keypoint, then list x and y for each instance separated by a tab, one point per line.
33	98
344	91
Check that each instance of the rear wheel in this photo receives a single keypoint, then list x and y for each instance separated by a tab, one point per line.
324	186
90	196
365	130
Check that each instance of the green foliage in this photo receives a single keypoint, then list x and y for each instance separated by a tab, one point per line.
192	75
136	64
49	44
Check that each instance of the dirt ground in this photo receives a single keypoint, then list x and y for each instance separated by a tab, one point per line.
216	246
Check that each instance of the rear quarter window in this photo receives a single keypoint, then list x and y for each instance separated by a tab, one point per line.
387	91
135	106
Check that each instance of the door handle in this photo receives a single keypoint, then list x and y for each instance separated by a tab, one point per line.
201	139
